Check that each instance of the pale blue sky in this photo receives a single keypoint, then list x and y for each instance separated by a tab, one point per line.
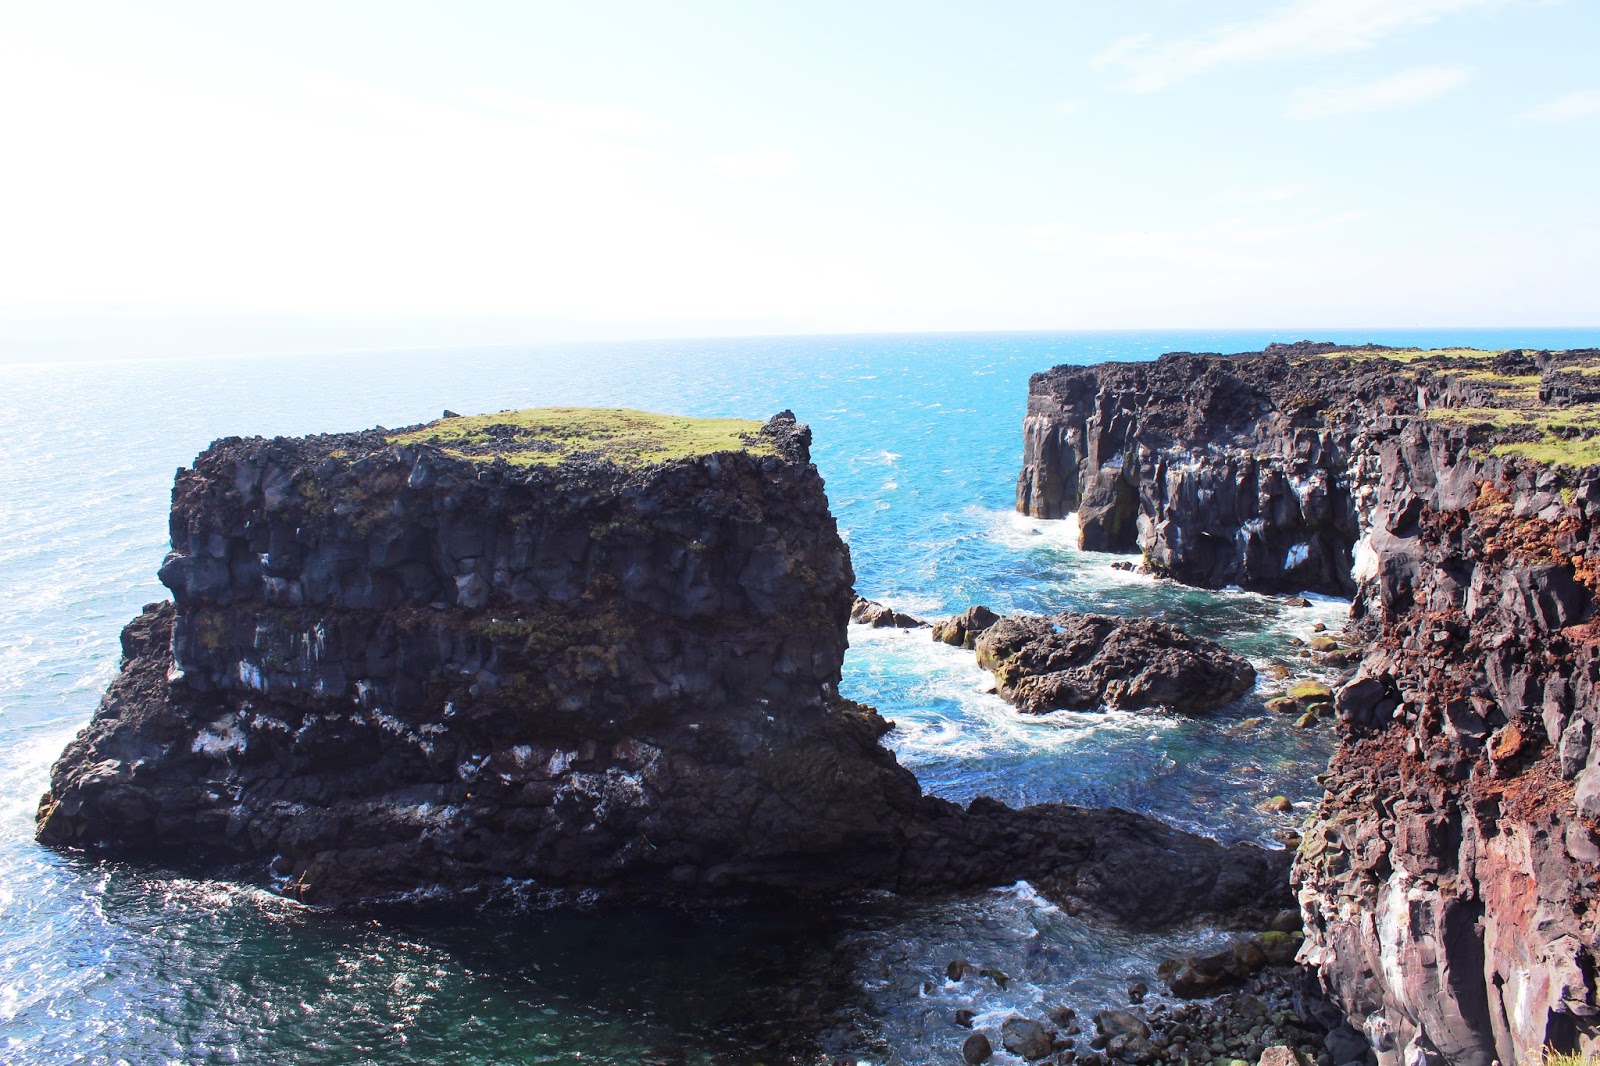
510	171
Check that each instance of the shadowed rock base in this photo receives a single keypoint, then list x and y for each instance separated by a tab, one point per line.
1451	882
392	672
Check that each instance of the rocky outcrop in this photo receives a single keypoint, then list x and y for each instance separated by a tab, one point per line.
1085	662
1220	471
878	616
964	629
571	655
1448	883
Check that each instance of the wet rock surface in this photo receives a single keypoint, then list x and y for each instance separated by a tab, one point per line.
872	613
1084	662
963	630
394	673
1449	879
1273	1014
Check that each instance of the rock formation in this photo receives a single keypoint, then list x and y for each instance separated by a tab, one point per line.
1449	883
878	616
1085	662
1220	472
589	654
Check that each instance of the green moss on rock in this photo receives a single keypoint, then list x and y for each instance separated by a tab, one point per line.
1308	692
547	436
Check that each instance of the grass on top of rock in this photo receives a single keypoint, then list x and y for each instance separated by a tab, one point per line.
1412	355
1499	393
1553	436
546	436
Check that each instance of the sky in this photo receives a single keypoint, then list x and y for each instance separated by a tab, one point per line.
295	174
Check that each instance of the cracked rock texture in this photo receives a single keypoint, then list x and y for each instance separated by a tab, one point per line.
1449	881
1086	662
391	672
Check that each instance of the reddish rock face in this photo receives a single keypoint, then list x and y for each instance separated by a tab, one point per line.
1449	883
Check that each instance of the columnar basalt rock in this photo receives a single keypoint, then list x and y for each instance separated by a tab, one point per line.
1449	881
589	654
1219	471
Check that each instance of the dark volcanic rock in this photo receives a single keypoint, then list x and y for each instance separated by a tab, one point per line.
1085	662
1026	1038
1220	470
1450	885
391	670
963	630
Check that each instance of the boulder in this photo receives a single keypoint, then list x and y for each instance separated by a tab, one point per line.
1026	1038
1281	1055
872	613
964	628
1088	662
1308	692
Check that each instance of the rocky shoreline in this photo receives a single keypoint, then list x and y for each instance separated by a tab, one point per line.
1448	881
1083	662
448	661
596	656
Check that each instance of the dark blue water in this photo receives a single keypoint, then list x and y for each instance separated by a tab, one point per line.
919	440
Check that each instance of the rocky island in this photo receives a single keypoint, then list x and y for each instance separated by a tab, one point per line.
574	655
1449	880
1086	662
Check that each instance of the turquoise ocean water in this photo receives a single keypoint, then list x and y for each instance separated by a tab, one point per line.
919	439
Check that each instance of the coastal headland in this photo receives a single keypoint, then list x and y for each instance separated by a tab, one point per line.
1448	880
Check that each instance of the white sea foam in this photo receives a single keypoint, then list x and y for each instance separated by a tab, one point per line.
954	712
1019	532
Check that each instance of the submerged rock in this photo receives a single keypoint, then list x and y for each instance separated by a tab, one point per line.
1085	662
488	657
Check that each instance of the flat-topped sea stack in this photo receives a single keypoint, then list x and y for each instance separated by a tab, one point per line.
591	654
1450	883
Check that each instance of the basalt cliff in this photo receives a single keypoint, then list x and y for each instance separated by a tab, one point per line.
1449	880
571	654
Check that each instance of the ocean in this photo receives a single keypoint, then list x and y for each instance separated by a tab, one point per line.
919	440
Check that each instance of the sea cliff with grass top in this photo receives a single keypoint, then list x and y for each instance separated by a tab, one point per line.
1449	881
580	655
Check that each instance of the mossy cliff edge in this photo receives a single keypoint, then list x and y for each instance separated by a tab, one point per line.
1450	880
565	654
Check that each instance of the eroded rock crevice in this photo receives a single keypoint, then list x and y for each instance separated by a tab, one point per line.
397	669
1448	882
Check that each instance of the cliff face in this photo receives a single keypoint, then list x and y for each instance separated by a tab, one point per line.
1448	881
524	650
1219	472
1449	885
